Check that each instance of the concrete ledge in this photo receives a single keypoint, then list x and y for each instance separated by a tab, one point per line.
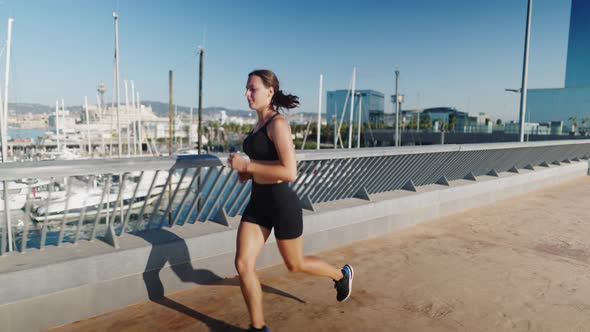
59	285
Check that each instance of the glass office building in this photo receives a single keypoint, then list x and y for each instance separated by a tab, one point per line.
577	72
544	105
338	104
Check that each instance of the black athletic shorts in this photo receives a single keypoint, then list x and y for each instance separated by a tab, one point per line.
275	205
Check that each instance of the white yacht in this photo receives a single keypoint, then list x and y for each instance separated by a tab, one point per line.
89	199
17	192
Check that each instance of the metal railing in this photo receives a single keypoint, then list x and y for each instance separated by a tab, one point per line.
338	174
63	202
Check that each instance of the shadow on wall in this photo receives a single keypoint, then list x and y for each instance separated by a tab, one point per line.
168	247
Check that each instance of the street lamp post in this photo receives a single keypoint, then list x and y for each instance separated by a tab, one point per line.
396	108
524	72
397	100
522	125
360	111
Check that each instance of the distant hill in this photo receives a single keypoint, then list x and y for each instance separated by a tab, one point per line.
159	108
24	108
162	109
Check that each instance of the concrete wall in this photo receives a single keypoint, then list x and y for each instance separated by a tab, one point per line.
60	285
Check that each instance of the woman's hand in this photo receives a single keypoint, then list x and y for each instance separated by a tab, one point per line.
238	163
243	177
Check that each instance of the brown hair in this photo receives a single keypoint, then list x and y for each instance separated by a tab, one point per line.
279	99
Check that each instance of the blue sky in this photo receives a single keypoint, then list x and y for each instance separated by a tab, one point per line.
459	53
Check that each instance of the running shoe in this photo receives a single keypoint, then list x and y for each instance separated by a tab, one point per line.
344	285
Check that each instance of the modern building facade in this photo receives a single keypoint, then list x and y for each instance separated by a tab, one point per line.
372	106
572	102
577	72
446	118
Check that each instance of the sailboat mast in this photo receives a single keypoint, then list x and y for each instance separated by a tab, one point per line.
170	119
351	108
127	117
4	110
8	46
116	17
87	125
63	124
133	122
4	138
139	129
319	112
358	136
57	123
200	128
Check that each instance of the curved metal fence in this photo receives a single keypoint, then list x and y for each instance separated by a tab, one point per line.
63	202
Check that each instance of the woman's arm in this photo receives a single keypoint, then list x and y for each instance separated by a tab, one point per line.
285	169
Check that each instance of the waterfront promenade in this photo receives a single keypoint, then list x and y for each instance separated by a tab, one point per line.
518	265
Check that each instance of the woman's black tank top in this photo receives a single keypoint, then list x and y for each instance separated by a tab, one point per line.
258	145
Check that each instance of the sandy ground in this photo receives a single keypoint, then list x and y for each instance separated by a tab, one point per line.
520	265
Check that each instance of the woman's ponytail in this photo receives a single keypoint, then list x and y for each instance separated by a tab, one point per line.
285	101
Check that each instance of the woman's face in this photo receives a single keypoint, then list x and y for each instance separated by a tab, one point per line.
258	96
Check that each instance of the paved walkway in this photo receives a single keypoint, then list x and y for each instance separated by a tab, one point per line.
521	265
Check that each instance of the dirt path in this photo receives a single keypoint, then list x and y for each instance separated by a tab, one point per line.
522	265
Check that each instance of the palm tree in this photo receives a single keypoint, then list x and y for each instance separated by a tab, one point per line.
585	122
574	122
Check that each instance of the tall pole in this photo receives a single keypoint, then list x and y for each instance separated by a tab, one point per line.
87	125
127	117
133	118
100	114
140	128
190	130
63	124
6	81
200	127
319	112
351	107
5	139
175	139
358	138
57	123
3	131
170	135
112	110
4	103
418	113
170	124
525	66
399	110
335	129
200	111
396	107
116	16
7	76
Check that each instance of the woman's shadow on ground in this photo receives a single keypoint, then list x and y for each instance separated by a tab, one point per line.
178	257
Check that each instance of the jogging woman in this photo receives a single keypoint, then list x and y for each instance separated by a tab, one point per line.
273	204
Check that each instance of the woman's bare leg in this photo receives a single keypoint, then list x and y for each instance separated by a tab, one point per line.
292	252
250	240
